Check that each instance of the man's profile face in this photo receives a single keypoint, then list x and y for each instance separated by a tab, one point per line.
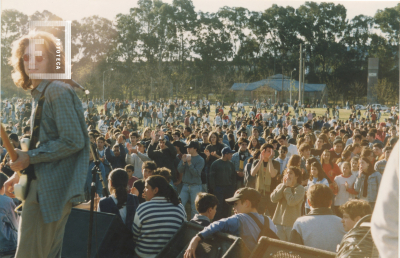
348	223
41	63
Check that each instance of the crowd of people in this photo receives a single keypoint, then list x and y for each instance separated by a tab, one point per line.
313	177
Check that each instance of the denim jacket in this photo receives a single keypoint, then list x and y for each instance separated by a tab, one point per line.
374	181
236	159
8	225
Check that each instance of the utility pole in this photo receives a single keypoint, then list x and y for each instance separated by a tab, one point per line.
151	86
300	71
304	76
290	87
282	87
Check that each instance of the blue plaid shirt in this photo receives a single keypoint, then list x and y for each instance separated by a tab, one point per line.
61	158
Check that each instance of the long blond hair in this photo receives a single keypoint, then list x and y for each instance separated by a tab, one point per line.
20	78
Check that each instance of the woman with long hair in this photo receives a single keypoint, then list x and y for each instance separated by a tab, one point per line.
254	144
331	169
146	137
294	161
120	202
157	219
367	182
369	154
309	139
345	157
267	132
213	150
317	176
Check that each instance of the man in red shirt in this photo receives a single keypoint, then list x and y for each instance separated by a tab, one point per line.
381	134
373	117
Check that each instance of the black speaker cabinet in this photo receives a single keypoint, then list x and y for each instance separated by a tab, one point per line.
219	246
272	248
110	237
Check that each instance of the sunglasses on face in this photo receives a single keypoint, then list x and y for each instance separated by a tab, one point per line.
37	58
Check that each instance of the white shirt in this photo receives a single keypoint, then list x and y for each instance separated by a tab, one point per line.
275	131
292	150
385	219
217	120
343	196
283	163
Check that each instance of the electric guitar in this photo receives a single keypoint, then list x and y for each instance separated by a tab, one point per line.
20	188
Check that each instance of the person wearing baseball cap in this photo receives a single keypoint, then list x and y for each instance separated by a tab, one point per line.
190	168
222	181
245	223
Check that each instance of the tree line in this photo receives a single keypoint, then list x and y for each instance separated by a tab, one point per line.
159	50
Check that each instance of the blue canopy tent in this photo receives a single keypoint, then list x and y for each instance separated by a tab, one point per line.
272	86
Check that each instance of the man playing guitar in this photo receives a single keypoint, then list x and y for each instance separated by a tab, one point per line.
60	157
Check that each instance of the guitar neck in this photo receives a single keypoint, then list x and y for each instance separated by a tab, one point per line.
8	145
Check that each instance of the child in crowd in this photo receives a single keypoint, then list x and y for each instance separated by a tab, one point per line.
206	206
244	223
345	190
9	221
354	166
353	211
148	169
130	170
317	176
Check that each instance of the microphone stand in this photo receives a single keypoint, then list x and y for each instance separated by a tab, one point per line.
95	171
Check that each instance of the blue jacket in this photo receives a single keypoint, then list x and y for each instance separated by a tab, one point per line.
8	225
236	159
374	180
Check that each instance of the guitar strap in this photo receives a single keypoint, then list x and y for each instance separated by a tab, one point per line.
29	171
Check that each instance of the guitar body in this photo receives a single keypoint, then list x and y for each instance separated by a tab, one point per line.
21	187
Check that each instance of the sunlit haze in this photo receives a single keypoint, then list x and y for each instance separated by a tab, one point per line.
78	9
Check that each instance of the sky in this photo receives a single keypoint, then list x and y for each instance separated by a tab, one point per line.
78	9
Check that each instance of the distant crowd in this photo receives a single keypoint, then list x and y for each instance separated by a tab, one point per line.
309	178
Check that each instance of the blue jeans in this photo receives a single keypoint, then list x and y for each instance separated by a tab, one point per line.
224	210
189	192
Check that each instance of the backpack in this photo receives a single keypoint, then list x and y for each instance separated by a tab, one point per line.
265	229
358	242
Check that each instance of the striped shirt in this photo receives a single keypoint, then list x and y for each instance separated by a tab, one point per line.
156	221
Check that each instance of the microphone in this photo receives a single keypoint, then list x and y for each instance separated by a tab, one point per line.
77	85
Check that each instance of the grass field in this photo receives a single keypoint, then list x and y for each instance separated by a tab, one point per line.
343	113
